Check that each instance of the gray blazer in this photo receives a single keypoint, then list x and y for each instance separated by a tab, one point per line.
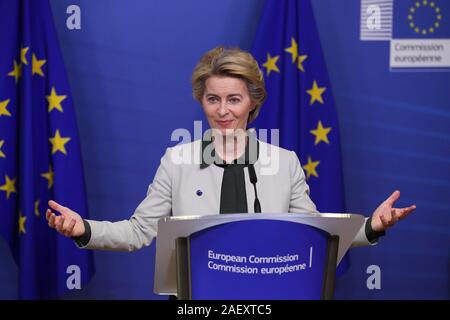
182	187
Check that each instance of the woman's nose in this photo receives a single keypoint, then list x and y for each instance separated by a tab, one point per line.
223	110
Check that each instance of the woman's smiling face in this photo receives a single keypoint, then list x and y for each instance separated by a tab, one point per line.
227	104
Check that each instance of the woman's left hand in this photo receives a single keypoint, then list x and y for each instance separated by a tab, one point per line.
385	216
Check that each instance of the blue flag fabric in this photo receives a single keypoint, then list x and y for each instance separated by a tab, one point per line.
299	97
39	152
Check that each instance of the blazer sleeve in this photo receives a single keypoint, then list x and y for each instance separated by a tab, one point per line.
141	228
300	200
302	203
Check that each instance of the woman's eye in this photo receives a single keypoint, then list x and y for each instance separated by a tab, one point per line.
234	100
212	99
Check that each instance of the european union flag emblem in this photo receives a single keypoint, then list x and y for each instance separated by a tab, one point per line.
39	152
423	19
299	96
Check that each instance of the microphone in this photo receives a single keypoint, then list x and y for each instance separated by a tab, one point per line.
253	180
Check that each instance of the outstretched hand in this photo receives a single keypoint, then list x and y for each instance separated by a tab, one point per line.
69	223
385	216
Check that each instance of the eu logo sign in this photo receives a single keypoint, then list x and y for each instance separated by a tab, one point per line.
417	30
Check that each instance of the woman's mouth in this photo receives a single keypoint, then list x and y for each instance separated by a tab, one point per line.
224	123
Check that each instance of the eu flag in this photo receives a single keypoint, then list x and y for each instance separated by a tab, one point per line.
421	19
39	152
299	96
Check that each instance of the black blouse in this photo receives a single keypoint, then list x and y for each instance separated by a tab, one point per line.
233	195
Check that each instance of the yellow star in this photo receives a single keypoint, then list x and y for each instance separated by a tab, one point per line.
316	93
17	71
2	155
23	55
300	62
22	220
310	168
3	110
54	101
36	208
9	186
320	133
50	175
58	143
271	64
293	49
37	65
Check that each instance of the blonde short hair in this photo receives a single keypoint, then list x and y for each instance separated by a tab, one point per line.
234	63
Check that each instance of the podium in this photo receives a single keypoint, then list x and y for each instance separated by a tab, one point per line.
252	256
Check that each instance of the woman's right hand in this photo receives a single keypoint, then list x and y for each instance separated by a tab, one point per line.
69	223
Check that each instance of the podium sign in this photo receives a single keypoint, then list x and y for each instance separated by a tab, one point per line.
176	262
258	259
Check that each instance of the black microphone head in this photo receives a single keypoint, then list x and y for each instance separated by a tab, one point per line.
253	180
252	173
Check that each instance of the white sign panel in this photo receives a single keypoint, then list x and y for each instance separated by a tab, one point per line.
420	53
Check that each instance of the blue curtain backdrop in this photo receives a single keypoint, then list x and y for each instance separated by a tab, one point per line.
129	68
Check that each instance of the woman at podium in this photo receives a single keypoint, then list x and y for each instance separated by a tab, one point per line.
228	171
